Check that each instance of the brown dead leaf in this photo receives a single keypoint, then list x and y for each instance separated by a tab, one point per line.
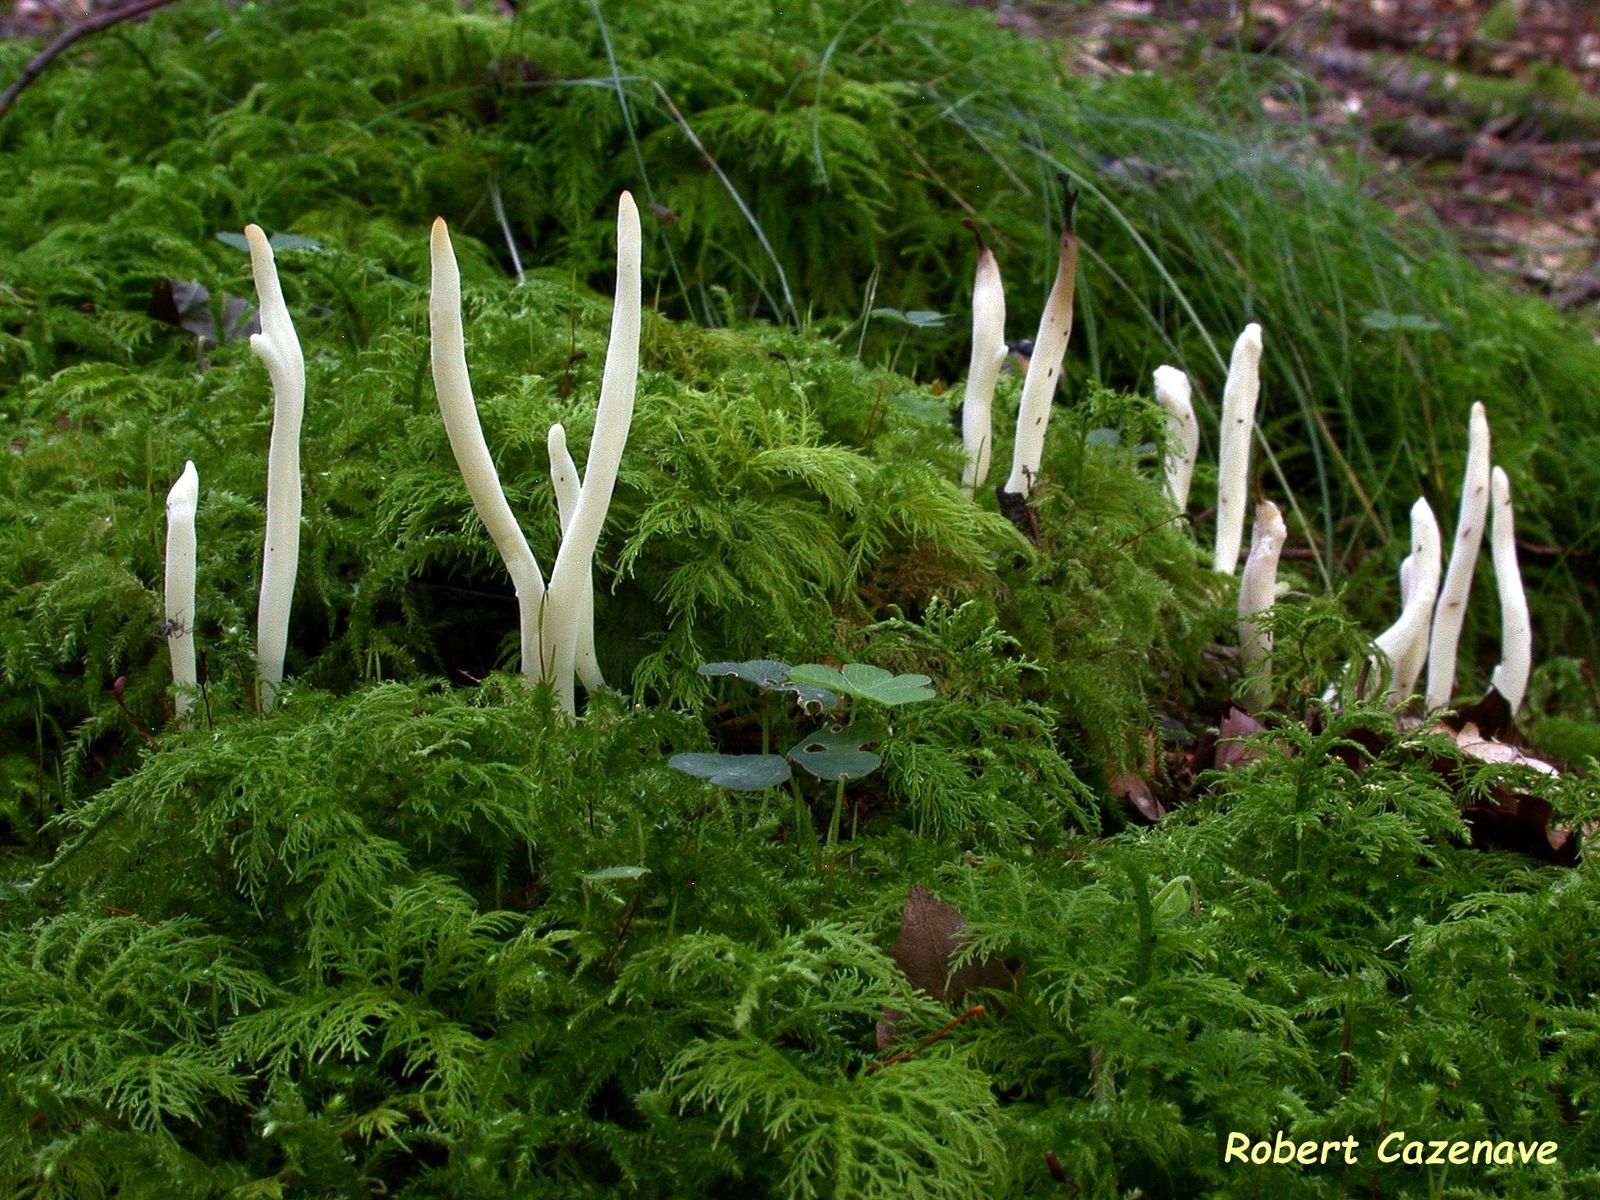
1491	716
930	939
1485	749
187	305
1231	751
1135	789
1516	820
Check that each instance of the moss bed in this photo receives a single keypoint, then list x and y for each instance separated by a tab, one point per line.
414	933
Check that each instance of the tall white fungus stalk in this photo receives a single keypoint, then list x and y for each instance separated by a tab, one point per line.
1044	366
278	347
182	501
1510	677
552	619
1256	590
1452	607
988	354
1239	397
460	413
618	383
1173	394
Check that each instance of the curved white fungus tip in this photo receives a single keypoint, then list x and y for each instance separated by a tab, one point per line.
1239	396
278	347
1044	369
1256	592
988	354
1405	643
1510	677
1174	394
1452	606
182	501
563	474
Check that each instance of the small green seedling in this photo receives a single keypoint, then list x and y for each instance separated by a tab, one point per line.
835	754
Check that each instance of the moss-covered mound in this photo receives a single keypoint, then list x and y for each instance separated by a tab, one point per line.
414	933
810	164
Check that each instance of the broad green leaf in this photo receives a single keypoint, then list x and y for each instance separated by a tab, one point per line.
736	772
834	754
926	409
768	675
917	318
606	874
765	673
864	682
278	241
1175	899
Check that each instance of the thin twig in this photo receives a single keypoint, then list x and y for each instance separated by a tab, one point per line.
976	1010
64	40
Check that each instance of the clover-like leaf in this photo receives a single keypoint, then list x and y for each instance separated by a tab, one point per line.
766	673
835	754
736	772
812	699
917	318
769	674
611	874
278	241
864	682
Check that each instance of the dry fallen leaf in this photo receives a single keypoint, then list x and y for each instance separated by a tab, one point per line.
930	938
1231	752
1135	789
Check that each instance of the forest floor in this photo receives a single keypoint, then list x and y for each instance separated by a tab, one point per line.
1492	110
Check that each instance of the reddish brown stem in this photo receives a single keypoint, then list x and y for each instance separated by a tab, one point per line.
975	1011
116	692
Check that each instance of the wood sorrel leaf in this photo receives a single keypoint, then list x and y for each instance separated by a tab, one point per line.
765	673
736	772
769	674
864	682
835	754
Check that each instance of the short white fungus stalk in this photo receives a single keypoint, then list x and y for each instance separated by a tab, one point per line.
182	501
1239	397
1410	656
988	354
618	384
1044	365
1452	607
564	478
1256	592
279	348
1510	678
1173	394
1405	643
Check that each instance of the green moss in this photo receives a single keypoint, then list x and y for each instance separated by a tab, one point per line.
413	934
